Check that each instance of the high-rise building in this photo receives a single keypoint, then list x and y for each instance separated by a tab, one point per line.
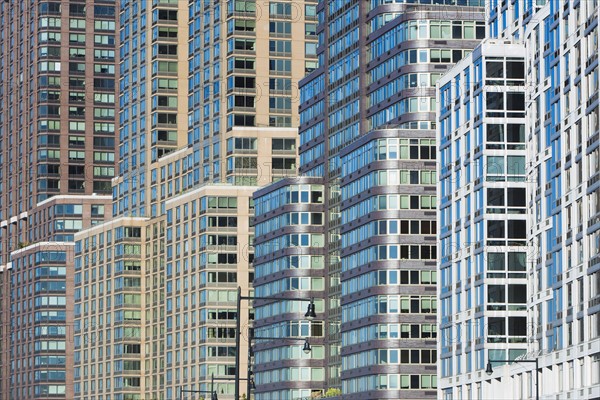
208	113
558	45
367	134
482	212
109	310
57	149
41	348
290	259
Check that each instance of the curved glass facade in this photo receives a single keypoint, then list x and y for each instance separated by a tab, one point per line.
290	253
367	120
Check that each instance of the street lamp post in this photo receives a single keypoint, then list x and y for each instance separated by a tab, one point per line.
310	315
212	390
213	394
249	379
489	370
306	348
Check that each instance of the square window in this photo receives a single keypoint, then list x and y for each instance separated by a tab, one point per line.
516	197
515	70
515	165
496	326
495	133
495	261
495	165
517	326
515	101
495	101
516	261
496	229
517	229
517	294
495	197
515	133
494	69
496	294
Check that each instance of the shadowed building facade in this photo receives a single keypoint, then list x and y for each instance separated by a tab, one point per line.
367	134
58	80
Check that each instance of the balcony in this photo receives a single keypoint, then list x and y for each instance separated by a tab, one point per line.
279	73
276	15
591	60
250	34
594	220
594	97
237	71
243	171
286	172
594	302
132	273
594	261
236	13
591	22
166	4
241	109
280	91
242	151
290	152
280	110
166	21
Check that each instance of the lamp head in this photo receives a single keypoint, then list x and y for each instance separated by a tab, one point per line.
310	312
307	349
488	369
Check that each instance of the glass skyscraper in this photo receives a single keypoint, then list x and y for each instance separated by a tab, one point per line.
367	134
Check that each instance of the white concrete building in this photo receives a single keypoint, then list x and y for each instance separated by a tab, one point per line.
560	47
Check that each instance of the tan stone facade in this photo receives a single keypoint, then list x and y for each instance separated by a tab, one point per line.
109	311
216	119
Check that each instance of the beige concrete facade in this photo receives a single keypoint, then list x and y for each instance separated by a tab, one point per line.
209	253
235	76
109	351
218	121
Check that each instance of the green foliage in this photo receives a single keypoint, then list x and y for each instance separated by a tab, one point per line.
332	392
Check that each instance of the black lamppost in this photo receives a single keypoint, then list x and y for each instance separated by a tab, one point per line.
213	393
489	370
310	315
306	348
